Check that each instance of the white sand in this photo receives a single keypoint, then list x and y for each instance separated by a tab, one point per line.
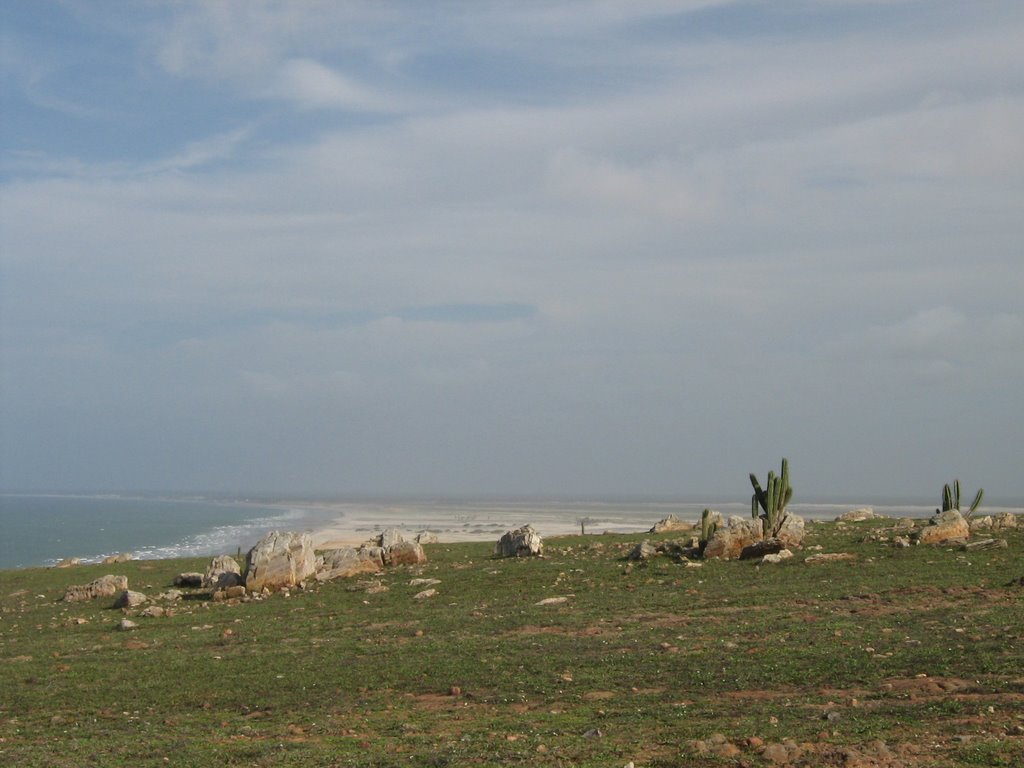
486	521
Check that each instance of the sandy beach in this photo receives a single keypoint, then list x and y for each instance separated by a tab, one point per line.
450	522
357	522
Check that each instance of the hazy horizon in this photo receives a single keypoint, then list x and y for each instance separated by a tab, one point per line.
555	250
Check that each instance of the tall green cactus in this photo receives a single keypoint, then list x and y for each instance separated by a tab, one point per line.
772	500
708	525
951	499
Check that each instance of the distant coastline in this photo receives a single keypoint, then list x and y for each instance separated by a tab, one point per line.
42	528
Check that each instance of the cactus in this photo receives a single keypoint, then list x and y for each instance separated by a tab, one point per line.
951	499
708	525
769	504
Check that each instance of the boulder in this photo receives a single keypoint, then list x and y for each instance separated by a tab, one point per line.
1004	520
642	551
190	579
346	562
857	515
223	572
104	586
426	537
522	542
279	560
760	549
404	553
389	537
729	541
122	557
671	523
792	532
943	528
129	599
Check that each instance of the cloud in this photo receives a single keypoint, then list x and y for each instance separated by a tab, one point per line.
314	86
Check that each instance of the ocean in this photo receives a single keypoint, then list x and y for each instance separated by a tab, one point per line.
39	530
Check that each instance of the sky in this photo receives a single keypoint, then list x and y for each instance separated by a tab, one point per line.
555	249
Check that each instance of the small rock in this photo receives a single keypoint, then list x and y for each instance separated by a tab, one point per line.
123	557
984	544
830	557
778	557
776	753
152	612
857	515
593	733
424	594
553	601
127	625
190	579
129	599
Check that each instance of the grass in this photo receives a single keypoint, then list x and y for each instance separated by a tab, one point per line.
921	649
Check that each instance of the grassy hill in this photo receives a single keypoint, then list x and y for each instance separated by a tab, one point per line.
901	657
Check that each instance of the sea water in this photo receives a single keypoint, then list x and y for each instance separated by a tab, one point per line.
38	530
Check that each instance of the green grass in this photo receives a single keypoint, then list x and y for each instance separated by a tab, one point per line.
920	648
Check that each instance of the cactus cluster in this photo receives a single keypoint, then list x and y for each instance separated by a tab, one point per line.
770	503
951	498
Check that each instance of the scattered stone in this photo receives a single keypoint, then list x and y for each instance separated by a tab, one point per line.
122	557
280	560
404	553
170	595
593	733
830	557
778	557
553	600
68	562
904	524
901	542
671	523
104	586
984	544
129	599
948	527
152	612
522	542
425	594
223	572
423	582
426	537
857	515
191	579
127	625
346	562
